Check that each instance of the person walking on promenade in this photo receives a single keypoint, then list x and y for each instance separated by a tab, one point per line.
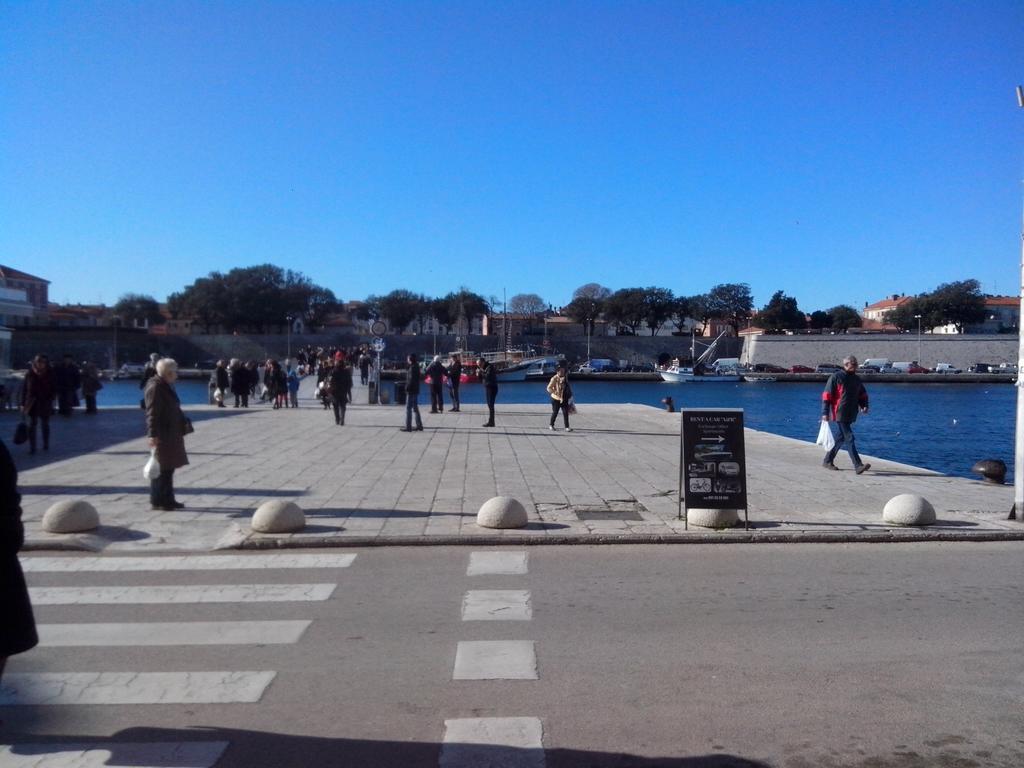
489	377
454	380
18	629
91	384
412	394
252	376
222	382
68	380
364	368
844	395
561	394
340	383
37	393
293	387
166	427
436	372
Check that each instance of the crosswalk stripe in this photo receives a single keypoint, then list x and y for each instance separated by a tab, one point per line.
497	605
195	754
172	633
185	562
495	660
510	742
496	563
53	688
194	593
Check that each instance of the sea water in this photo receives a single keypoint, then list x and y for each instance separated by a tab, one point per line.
943	427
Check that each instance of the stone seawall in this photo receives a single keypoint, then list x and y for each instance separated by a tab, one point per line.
960	351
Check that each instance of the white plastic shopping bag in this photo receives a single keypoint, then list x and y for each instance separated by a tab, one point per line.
152	469
825	438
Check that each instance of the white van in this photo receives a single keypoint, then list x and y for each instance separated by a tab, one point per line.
883	364
727	365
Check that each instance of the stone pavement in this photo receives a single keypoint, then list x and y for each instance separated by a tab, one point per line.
614	479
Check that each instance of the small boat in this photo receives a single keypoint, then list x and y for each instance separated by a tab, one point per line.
677	374
698	374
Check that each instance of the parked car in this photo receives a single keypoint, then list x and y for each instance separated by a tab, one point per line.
827	368
869	369
130	370
768	368
915	368
982	368
801	369
946	368
206	365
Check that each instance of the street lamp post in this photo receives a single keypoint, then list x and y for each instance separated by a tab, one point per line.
1018	445
918	339
291	319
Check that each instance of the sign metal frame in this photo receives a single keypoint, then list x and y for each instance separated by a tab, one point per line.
712	461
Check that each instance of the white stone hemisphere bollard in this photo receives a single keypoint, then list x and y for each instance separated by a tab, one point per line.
71	516
908	509
713	518
501	512
278	516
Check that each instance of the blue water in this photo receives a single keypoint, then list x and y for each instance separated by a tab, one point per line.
944	427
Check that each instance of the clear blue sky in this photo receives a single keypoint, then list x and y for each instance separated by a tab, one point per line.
838	151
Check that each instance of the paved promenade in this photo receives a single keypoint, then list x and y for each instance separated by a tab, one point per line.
613	479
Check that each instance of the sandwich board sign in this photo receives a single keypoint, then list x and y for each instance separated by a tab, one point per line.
712	460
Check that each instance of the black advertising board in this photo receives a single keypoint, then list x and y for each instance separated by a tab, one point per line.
712	461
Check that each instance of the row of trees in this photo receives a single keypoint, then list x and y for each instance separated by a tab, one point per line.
263	296
958	304
259	297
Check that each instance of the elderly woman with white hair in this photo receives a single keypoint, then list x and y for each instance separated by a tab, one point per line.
166	427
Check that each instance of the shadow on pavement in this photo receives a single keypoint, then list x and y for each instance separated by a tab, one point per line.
260	749
81	433
143	489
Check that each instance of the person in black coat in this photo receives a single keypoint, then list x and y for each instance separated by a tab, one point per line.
489	376
18	626
222	382
37	393
68	380
340	384
454	380
436	372
412	394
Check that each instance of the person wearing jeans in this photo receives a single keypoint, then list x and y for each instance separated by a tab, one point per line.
561	394
37	394
412	394
844	395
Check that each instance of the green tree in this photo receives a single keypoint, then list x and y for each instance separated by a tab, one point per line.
401	307
659	304
587	305
731	302
904	316
696	308
626	308
959	304
138	308
820	319
780	314
845	317
463	306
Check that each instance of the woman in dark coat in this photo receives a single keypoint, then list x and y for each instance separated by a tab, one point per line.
37	393
18	627
489	375
166	427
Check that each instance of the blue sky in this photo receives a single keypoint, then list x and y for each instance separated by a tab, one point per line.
838	151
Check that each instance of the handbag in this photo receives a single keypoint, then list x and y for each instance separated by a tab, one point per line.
825	438
151	471
21	432
572	405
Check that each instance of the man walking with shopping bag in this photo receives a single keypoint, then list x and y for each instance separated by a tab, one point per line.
843	397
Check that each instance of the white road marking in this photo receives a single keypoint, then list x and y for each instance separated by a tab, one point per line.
501	742
497	605
496	563
46	688
173	633
183	754
185	562
495	660
199	593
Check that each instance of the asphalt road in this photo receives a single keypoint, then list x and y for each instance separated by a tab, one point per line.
875	656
